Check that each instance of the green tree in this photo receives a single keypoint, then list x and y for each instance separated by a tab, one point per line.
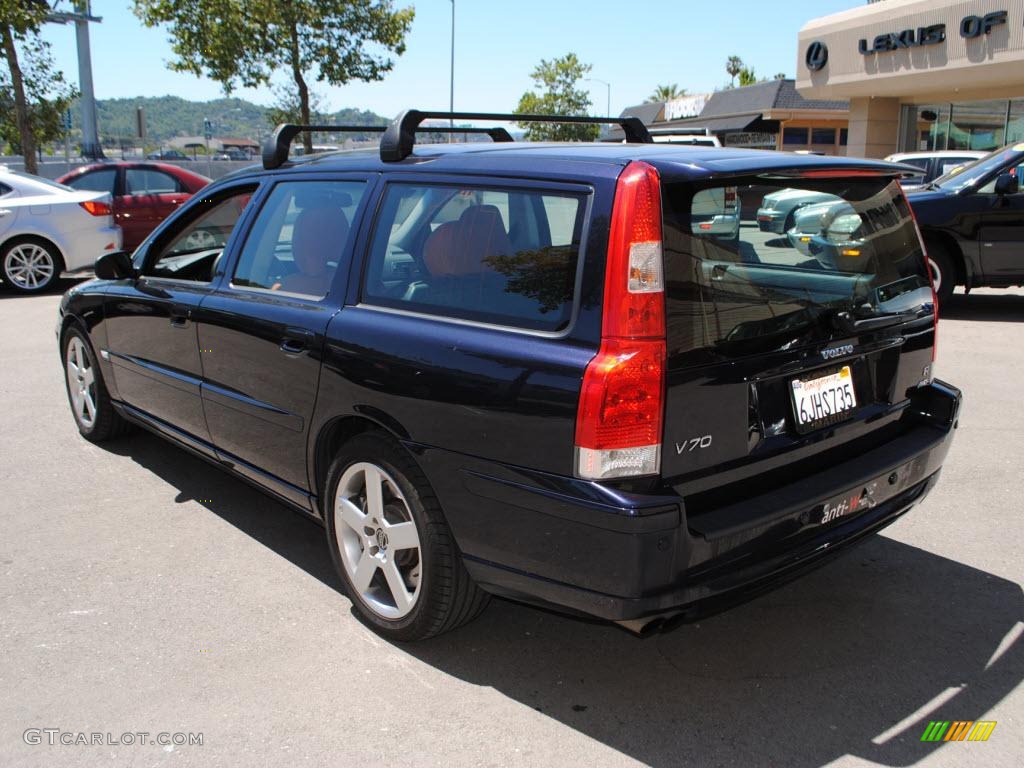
747	76
559	95
244	42
19	27
666	93
46	96
733	65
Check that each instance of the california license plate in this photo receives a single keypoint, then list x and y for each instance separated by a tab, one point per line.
823	400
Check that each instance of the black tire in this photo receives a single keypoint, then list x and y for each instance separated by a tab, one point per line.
942	269
106	423
22	279
447	595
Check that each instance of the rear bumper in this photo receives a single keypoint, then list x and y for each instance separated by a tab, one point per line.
598	551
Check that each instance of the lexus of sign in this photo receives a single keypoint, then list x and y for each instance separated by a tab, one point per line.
970	28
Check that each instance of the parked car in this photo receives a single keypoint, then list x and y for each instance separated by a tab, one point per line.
47	228
716	211
811	220
779	208
168	154
521	370
933	164
972	221
144	194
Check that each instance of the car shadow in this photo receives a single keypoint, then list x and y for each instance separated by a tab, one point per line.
984	306
853	659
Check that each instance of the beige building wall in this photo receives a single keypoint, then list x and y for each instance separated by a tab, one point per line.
957	69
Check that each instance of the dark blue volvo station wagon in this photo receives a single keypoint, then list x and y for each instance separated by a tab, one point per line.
577	375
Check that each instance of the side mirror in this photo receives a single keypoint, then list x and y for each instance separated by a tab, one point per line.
116	265
1007	184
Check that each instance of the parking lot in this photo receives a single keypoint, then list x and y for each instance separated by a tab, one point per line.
143	590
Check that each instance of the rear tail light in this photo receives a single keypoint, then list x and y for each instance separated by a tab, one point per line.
97	207
619	420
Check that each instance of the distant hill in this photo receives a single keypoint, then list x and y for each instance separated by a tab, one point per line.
170	116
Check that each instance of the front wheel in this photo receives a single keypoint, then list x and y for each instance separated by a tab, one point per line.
391	545
31	266
943	273
94	415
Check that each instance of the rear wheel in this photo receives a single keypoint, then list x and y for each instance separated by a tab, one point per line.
391	545
30	265
943	271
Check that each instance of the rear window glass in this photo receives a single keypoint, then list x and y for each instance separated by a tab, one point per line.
754	267
500	256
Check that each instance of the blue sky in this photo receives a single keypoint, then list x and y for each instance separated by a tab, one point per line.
634	46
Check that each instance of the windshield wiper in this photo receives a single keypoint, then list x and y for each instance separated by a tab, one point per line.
847	322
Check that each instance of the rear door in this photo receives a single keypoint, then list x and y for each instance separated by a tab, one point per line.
261	332
149	196
775	355
7	215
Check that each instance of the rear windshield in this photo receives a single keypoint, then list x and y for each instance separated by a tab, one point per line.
753	267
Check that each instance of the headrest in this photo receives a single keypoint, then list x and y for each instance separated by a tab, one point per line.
459	247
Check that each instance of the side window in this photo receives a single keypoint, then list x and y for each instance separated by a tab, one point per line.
4	189
145	181
96	181
192	250
1013	170
502	256
299	237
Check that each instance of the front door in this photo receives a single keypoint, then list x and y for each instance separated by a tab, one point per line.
261	331
1001	232
151	333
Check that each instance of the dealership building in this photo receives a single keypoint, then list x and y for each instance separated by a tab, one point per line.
920	74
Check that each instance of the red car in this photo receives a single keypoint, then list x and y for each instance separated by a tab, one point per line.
144	194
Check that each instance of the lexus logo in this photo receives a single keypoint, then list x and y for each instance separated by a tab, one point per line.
817	56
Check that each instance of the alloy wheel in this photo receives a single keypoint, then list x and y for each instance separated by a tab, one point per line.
81	383
29	266
378	541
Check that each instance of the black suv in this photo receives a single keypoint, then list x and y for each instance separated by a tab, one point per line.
577	375
972	222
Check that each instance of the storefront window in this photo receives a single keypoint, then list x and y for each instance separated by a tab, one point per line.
978	125
924	127
1015	126
791	136
823	136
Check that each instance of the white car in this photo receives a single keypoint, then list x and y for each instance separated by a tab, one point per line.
933	164
47	228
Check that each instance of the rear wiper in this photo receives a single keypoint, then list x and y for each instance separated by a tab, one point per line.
849	323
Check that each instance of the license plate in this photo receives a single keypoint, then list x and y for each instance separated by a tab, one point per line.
823	400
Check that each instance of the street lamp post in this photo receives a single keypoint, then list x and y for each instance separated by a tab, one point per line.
451	81
606	84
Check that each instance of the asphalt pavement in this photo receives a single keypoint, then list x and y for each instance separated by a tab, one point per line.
144	591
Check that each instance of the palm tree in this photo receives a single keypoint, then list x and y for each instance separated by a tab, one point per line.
666	93
733	65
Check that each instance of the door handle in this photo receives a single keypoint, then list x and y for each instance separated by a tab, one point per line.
296	341
179	321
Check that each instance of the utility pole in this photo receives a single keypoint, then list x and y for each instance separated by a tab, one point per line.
606	84
451	82
81	16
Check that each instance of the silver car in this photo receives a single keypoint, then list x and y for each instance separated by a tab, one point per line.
777	209
812	220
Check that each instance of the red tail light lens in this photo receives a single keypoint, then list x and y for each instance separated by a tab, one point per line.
619	420
97	207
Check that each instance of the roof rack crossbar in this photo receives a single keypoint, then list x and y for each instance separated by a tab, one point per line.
400	136
275	148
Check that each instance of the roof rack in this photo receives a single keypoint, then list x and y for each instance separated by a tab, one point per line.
275	148
400	136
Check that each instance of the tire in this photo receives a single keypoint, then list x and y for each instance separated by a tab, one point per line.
943	272
94	414
405	592
30	265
